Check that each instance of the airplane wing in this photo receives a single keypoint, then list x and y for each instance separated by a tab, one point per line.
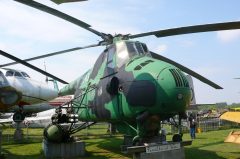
28	119
6	121
231	116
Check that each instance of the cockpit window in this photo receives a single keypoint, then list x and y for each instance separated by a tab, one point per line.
9	73
128	49
25	74
110	59
132	49
140	48
2	79
17	74
145	48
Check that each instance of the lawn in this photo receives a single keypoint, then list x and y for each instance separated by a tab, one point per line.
100	145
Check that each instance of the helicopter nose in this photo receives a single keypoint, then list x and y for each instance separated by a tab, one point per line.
174	91
8	97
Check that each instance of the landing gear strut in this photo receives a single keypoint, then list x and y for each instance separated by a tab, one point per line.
178	137
148	127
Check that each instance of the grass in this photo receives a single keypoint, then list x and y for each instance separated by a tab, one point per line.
100	145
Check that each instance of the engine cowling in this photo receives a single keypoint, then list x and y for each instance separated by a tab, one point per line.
9	97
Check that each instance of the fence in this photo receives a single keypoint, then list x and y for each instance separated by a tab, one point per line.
36	134
207	124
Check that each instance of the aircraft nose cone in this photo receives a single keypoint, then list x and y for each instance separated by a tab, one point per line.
8	97
174	90
172	78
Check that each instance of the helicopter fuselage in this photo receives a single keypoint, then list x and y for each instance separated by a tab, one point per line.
126	84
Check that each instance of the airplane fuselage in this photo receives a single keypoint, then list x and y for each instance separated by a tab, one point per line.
29	90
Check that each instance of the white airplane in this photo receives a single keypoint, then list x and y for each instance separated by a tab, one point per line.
40	107
17	88
42	119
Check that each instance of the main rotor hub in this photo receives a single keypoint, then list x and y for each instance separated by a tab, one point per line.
120	37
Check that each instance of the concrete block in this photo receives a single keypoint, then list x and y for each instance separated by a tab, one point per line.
173	154
167	150
63	150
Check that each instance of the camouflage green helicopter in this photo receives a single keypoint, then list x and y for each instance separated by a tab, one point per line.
129	86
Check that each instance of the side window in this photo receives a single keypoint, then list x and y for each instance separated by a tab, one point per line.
25	74
2	80
145	48
139	48
9	73
97	65
17	74
110	59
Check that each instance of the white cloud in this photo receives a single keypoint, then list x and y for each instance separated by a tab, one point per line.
228	35
161	48
187	43
34	25
210	71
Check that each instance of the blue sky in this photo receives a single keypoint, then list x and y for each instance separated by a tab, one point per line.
27	32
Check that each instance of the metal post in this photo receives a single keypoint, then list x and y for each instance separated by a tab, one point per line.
179	124
0	142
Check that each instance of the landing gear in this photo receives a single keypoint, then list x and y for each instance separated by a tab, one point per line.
178	137
147	131
18	117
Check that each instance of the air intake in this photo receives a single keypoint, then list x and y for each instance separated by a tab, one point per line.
179	78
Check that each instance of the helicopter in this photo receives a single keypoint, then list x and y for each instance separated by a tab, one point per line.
129	85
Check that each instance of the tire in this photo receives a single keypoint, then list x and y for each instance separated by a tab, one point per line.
18	117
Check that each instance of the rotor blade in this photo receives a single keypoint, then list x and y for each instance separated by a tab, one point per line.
61	15
186	70
31	66
66	1
51	54
236	78
191	29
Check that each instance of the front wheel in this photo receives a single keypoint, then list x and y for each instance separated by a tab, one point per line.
18	117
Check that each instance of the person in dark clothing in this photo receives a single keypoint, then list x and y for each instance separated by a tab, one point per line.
192	125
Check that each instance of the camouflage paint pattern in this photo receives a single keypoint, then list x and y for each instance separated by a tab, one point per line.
143	85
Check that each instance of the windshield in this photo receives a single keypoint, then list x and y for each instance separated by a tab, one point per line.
128	49
3	80
9	73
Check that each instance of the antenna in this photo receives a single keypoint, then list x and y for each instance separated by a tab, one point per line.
45	71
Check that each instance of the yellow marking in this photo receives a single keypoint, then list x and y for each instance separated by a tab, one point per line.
231	116
233	137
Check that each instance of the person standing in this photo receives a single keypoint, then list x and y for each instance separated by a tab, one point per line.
192	125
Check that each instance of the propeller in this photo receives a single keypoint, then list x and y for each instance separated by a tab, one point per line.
109	38
186	70
31	66
190	29
66	1
52	54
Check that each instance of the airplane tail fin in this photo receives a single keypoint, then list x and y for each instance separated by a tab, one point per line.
55	85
